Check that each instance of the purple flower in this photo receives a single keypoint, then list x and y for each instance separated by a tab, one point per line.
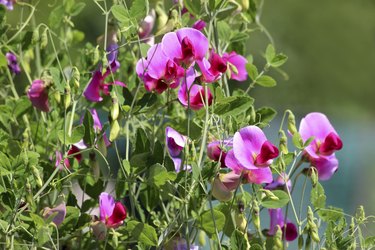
326	141
237	66
224	184
112	213
212	68
185	46
277	219
38	95
58	213
216	152
252	149
193	95
13	63
145	28
175	143
279	183
97	127
158	72
8	3
199	25
178	243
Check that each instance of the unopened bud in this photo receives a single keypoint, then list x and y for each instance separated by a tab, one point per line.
292	123
202	238
115	129
300	242
240	221
67	97
35	38
96	55
99	230
115	110
36	175
44	39
270	195
314	176
360	214
283	142
255	215
278	239
308	242
76	77
57	96
253	115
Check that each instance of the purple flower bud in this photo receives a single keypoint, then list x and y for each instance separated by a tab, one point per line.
38	95
199	25
58	212
277	218
13	63
8	3
146	26
279	183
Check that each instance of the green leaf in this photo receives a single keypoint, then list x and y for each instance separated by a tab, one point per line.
88	123
233	105
3	60
212	220
143	233
193	6
265	115
239	36
278	60
317	196
55	73
283	199
297	140
71	219
44	234
139	9
120	13
56	16
252	71
238	241
22	106
331	214
266	81
158	175
77	135
224	31
270	53
77	9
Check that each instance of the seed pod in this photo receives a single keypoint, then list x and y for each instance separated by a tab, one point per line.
292	123
76	77
115	110
44	39
36	175
253	115
115	129
255	215
67	97
283	142
202	238
240	221
57	96
308	242
300	242
313	227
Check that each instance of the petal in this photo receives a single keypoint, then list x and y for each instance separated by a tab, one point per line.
276	218
198	41
38	95
232	163
58	212
326	167
247	143
97	123
171	46
92	92
157	61
259	176
267	153
199	25
106	206
174	141
331	144
239	62
118	215
291	232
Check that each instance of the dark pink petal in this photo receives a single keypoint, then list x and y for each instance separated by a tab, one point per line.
291	232
239	62
277	219
118	215
267	153
174	141
73	150
106	206
199	25
38	95
92	92
331	144
259	176
326	167
247	144
197	40
58	212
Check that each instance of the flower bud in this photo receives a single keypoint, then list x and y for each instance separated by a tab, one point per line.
76	77
99	230
360	214
224	184
278	238
270	195
314	176
312	226
36	175
35	38
300	242
114	109
292	123
202	238
253	115
283	146
255	215
57	96
115	129
67	97
44	39
38	95
241	222
308	242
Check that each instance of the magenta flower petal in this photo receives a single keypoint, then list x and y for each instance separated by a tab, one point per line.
198	43
59	213
326	167
174	141
259	176
118	216
279	183
247	144
172	46
106	206
239	62
318	126
38	95
199	25
92	92
267	153
58	163
232	163
277	219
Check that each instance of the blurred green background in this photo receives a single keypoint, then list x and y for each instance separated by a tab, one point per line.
331	68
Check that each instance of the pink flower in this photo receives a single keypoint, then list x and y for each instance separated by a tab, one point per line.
112	213
58	213
237	66
213	68
199	25
193	95
224	184
277	219
321	151
8	3
175	143
38	95
216	152
185	46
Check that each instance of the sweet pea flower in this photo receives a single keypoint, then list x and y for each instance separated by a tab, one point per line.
224	184
58	163
8	3
145	28
59	213
185	46
175	143
252	149
277	219
193	95
13	63
216	152
213	68
279	183
237	66
38	95
158	72
112	213
326	142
